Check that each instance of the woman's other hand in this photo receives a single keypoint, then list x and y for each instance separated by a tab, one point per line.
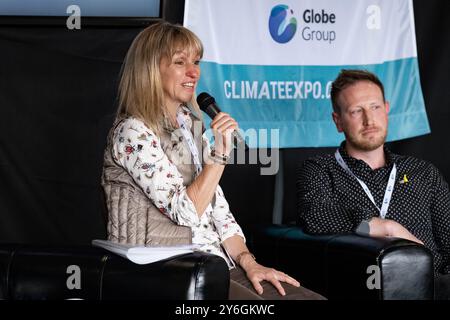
257	273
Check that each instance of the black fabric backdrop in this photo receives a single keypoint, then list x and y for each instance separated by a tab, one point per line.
57	94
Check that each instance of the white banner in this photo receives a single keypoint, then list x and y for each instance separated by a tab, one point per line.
270	64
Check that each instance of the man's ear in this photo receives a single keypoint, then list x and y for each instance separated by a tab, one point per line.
337	121
387	105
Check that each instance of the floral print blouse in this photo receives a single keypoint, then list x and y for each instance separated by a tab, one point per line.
138	150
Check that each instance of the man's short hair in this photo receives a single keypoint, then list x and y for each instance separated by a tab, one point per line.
348	77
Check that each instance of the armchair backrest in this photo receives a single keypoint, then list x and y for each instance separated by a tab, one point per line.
249	193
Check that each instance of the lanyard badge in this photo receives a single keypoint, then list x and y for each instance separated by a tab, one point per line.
389	188
190	140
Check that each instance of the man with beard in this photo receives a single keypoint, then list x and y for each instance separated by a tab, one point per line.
367	189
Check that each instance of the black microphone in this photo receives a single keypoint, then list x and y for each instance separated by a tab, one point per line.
208	105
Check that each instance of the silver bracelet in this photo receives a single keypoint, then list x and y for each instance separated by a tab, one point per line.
219	158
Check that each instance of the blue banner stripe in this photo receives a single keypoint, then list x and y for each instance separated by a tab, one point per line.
295	100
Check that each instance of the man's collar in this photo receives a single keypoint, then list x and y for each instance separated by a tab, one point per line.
390	157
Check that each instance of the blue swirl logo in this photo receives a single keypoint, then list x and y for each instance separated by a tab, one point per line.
282	24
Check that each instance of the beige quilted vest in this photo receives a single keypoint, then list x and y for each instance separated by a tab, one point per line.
132	217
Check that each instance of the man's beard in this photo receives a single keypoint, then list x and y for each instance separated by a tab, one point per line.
366	144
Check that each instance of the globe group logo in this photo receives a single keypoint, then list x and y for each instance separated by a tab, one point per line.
282	24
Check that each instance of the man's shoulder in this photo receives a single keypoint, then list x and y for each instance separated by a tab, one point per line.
322	162
322	158
419	167
414	162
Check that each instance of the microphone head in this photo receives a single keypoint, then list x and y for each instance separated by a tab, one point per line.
204	100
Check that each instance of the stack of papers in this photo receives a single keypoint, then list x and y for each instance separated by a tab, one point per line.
143	254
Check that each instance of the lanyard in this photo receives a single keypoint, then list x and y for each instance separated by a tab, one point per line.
387	193
190	140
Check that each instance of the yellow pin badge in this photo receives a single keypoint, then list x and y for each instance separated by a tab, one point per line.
404	180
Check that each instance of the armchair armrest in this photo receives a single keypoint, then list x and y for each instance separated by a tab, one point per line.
85	272
348	266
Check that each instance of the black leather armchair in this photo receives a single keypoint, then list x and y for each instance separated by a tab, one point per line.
337	265
85	272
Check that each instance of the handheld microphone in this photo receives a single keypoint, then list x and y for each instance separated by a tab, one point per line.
208	105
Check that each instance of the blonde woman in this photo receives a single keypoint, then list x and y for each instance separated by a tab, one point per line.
161	177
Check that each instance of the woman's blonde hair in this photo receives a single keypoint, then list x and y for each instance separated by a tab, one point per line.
141	92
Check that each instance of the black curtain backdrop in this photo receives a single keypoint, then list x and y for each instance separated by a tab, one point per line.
57	94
